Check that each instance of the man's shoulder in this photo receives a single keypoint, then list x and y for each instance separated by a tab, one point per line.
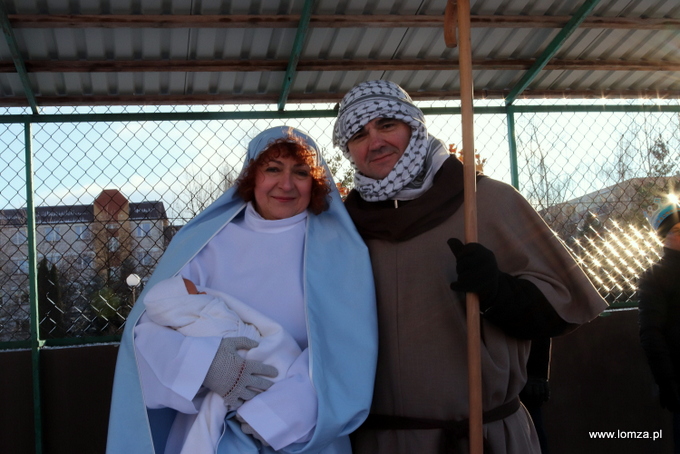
497	191
489	183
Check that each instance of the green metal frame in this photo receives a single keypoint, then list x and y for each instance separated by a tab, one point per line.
552	49
512	147
322	113
18	59
36	343
298	45
557	42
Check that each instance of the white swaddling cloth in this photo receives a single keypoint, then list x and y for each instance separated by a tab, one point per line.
215	313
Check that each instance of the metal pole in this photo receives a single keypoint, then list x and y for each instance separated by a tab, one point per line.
36	342
328	113
19	63
512	146
303	28
555	45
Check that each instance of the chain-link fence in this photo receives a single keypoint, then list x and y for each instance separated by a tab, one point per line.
593	176
111	186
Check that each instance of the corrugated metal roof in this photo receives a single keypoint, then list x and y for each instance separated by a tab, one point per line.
86	52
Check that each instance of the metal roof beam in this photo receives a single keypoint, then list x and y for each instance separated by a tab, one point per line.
16	56
23	21
251	65
552	49
303	28
210	99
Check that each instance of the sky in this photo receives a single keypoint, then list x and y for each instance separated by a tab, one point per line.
74	162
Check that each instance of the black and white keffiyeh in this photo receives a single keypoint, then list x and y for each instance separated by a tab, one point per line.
413	173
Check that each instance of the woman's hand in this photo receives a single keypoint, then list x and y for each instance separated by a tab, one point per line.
248	430
234	378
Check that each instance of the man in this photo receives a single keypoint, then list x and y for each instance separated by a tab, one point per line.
537	388
659	310
407	205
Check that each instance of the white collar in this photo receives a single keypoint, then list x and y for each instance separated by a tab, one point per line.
253	221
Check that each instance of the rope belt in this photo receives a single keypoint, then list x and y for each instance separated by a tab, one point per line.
453	430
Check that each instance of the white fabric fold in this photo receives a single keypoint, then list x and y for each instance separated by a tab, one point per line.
217	314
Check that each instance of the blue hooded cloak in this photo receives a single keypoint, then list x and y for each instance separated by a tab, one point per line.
341	320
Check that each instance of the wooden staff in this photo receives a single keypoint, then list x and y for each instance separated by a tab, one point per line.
461	9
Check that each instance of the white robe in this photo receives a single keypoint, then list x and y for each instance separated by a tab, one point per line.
169	304
274	249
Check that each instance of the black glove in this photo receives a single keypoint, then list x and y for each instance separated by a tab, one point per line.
536	391
477	271
235	378
515	305
669	396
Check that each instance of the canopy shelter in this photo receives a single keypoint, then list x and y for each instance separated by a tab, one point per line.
154	52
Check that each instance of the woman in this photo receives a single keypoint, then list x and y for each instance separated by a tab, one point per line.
321	291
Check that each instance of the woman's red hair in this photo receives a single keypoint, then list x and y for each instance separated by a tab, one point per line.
302	154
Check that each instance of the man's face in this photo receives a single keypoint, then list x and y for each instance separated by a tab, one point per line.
672	240
377	147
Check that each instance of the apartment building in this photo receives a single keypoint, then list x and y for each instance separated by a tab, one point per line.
87	243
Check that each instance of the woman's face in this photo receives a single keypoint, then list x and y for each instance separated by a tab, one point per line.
283	188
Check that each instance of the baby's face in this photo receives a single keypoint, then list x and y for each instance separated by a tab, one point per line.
191	288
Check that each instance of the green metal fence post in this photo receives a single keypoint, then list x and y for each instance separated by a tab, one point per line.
512	145
36	342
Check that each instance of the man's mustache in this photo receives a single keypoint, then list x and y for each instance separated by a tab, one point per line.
385	149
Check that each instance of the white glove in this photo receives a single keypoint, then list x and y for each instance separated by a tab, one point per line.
248	430
235	378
